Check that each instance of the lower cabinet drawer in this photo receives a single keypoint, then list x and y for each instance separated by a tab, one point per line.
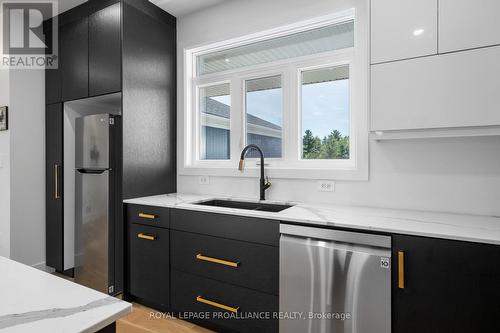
148	215
149	264
230	307
245	264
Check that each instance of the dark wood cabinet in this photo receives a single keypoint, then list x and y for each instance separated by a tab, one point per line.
149	258
449	286
105	51
74	59
242	228
52	75
225	265
90	58
149	215
230	307
54	186
249	265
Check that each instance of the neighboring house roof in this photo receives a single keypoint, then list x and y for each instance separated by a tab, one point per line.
217	108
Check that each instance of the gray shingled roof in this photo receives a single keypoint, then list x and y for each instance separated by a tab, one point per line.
217	108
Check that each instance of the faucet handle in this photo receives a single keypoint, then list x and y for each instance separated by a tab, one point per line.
268	183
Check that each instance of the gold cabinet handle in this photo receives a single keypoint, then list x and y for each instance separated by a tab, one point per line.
200	256
147	237
401	269
57	195
147	216
217	305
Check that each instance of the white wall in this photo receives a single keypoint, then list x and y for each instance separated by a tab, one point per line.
27	145
4	171
454	175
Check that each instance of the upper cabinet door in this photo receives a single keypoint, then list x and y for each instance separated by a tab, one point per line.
52	75
402	29
105	51
458	89
74	59
465	24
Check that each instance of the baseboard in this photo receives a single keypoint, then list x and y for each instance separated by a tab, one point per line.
43	267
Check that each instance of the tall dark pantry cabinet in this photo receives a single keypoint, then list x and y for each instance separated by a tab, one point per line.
126	48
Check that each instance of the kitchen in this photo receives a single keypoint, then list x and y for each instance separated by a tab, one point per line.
331	158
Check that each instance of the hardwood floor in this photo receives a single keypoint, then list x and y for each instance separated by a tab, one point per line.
140	321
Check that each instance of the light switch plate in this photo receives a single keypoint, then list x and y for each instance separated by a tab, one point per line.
203	180
326	186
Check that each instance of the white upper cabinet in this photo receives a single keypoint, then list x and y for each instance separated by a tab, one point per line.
403	29
459	89
465	24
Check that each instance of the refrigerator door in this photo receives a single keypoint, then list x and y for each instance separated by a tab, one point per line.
92	142
92	229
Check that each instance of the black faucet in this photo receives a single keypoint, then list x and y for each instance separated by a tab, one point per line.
264	185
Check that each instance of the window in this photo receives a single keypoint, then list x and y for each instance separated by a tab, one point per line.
264	115
300	93
325	113
215	130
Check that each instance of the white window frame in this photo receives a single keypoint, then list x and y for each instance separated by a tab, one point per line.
291	164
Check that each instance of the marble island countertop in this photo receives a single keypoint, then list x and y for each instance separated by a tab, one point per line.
472	228
36	301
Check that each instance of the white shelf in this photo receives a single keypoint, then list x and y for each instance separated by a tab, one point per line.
435	133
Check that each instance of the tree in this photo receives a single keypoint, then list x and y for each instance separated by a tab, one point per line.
333	146
311	145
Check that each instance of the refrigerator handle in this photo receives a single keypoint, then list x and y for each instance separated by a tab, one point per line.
57	195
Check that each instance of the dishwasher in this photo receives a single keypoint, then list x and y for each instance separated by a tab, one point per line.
334	281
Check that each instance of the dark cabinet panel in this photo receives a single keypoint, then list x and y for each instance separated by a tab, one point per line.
149	257
105	51
449	286
148	215
52	76
74	61
192	293
54	185
243	228
149	102
245	264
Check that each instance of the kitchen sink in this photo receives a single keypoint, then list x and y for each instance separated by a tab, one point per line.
265	207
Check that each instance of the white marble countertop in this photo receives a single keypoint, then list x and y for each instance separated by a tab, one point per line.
473	228
35	301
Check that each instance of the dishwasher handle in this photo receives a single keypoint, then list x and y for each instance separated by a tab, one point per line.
336	235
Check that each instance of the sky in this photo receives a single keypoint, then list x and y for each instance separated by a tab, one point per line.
325	106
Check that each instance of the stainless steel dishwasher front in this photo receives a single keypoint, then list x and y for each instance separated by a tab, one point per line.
334	281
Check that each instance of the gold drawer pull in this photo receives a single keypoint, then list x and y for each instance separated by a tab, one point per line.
147	216
200	256
401	270
217	305
147	237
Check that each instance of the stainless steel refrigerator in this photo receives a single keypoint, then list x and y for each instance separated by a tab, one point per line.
98	231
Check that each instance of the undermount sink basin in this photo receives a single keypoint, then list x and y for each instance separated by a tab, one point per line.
245	205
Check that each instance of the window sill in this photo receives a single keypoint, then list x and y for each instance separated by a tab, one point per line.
279	173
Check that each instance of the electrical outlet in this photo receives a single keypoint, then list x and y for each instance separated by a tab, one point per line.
204	180
326	186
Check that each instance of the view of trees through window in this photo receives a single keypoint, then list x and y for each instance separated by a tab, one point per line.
325	113
332	146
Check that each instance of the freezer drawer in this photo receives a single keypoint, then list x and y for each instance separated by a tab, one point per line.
340	282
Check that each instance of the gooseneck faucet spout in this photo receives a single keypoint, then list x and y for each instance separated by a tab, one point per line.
264	185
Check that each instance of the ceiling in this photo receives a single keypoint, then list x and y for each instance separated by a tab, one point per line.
177	8
180	8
